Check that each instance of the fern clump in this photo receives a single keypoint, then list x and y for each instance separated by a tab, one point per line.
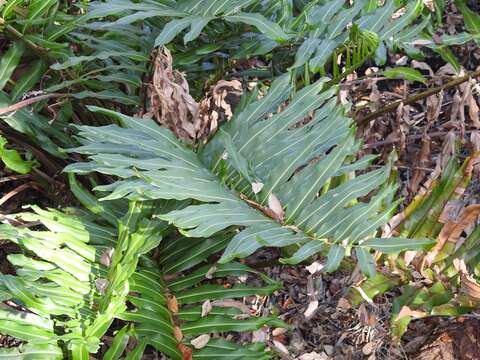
280	181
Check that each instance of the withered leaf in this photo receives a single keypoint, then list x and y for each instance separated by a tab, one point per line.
452	231
406	311
470	286
173	305
171	104
177	332
232	303
187	352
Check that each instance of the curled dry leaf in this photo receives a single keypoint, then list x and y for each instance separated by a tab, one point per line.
171	104
460	266
453	123
470	286
200	341
406	311
343	305
218	106
374	96
421	162
475	142
365	317
448	149
173	305
276	206
106	258
409	256
434	107
452	231
451	211
473	109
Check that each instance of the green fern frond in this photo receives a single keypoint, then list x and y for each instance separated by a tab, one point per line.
282	155
86	274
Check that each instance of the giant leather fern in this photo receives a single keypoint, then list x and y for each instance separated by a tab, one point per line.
306	167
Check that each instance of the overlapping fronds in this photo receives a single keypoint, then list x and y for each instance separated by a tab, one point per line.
284	181
450	283
84	275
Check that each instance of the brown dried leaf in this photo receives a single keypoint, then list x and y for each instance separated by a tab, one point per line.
177	332
406	311
448	149
470	286
456	104
232	303
171	104
343	305
218	106
451	211
259	336
375	95
173	305
368	348
452	231
434	107
421	162
186	351
475	141
473	110
363	314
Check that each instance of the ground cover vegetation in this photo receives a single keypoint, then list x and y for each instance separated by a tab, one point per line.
163	159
